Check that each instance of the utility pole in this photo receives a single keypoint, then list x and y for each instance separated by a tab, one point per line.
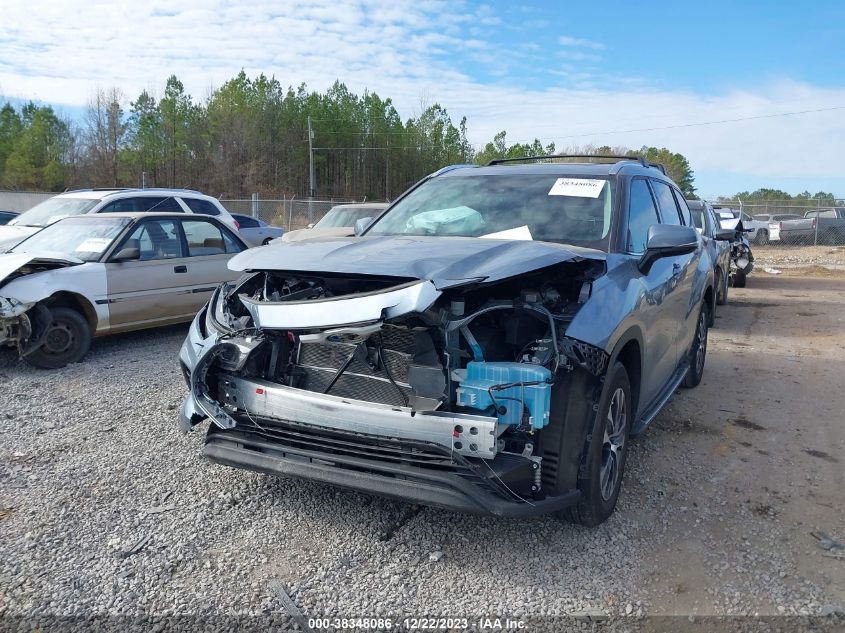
310	159
310	172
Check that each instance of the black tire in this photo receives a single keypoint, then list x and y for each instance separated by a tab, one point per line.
67	340
762	237
739	279
721	291
698	350
266	241
602	466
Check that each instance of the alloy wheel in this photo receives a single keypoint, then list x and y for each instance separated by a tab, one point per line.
614	442
701	343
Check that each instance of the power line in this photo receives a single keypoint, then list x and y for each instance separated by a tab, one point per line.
685	125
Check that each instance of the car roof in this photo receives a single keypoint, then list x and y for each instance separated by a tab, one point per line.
101	194
362	205
629	167
139	214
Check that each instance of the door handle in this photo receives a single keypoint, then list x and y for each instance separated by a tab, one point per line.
180	269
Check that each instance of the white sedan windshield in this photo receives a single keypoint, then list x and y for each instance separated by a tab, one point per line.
86	238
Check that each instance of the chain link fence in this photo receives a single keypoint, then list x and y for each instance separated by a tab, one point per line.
782	223
786	234
287	213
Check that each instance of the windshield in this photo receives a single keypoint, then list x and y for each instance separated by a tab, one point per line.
544	207
54	209
346	216
86	238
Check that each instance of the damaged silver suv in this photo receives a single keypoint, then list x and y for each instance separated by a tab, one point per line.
489	343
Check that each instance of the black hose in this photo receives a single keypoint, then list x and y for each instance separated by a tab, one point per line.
381	359
342	369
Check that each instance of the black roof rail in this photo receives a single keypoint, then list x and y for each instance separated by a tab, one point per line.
639	159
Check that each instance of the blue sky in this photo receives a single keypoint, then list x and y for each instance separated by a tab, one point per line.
575	73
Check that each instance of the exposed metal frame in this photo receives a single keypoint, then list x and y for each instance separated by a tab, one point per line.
465	434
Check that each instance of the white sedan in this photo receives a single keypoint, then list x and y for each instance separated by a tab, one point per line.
91	275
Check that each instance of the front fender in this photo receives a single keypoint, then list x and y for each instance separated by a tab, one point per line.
612	308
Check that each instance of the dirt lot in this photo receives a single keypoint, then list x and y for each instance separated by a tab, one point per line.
105	509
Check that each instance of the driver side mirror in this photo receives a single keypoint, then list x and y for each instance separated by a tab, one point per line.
667	240
361	225
310	226
725	235
126	254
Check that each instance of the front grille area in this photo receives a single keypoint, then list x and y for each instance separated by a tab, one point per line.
356	386
365	378
333	355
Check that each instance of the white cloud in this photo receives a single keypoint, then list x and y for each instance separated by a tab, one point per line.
405	49
566	40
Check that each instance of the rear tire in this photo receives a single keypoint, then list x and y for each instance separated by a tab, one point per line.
739	279
266	241
698	351
603	461
67	340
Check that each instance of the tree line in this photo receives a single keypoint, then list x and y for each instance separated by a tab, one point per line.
251	135
776	200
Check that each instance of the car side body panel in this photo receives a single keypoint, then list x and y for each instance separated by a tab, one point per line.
86	280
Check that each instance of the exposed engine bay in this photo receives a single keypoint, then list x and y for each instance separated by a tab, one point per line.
471	371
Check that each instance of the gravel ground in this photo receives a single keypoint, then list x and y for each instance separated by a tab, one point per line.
799	255
107	510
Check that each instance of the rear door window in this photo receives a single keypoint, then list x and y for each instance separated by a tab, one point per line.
207	238
641	215
666	203
203	207
159	204
683	206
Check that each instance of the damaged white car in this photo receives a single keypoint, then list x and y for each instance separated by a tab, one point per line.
91	275
489	344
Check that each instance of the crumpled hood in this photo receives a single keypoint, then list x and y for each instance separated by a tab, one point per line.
445	261
318	233
10	235
12	262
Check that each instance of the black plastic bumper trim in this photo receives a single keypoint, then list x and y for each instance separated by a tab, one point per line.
410	484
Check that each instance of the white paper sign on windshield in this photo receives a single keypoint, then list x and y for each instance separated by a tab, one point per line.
93	245
517	233
577	187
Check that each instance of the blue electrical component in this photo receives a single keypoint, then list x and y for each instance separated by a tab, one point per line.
475	391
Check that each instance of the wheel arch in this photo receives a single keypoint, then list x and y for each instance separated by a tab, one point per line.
709	298
76	301
629	351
